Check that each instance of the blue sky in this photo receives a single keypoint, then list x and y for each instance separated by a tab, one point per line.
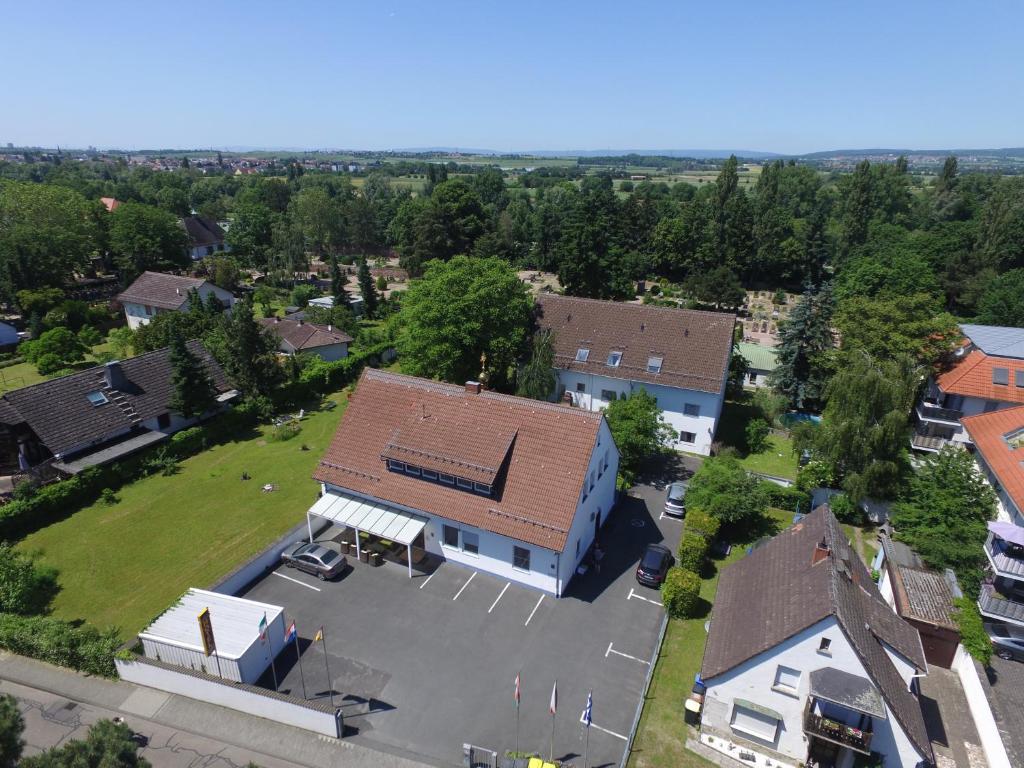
786	76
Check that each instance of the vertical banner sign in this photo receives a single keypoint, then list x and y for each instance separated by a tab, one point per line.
206	632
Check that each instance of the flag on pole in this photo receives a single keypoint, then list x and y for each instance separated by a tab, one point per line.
588	710
517	690
289	634
554	698
319	635
263	629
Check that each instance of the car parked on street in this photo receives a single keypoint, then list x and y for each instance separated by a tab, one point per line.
654	565
1006	644
675	499
318	560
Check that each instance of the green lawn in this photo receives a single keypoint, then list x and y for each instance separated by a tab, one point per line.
661	735
121	565
25	374
777	459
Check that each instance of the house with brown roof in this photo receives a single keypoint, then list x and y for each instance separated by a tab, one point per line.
605	350
988	375
155	292
805	663
298	337
205	237
998	439
515	487
98	415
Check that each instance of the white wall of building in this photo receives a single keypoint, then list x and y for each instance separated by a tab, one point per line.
141	314
328	353
596	391
754	680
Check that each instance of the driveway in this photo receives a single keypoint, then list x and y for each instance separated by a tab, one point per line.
427	664
1007	702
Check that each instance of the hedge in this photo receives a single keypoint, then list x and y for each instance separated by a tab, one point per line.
680	593
972	631
692	549
320	378
80	647
699	521
785	498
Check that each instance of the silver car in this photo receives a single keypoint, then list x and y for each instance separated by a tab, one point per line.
675	500
320	561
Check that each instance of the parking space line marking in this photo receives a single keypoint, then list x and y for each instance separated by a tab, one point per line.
633	594
533	611
428	580
507	585
605	730
300	583
620	653
471	577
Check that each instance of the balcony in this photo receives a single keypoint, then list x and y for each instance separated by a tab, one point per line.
927	411
929	443
996	603
1006	558
857	739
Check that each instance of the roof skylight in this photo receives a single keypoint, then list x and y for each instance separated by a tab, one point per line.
97	398
582	354
654	364
614	358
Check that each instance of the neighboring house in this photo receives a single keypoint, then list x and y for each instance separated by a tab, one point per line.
988	376
762	361
999	451
922	597
355	303
502	484
324	341
205	237
97	415
155	292
111	203
9	337
806	662
605	350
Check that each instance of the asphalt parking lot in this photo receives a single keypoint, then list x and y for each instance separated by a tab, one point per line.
424	665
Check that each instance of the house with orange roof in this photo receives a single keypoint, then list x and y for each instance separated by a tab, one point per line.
988	376
110	203
998	439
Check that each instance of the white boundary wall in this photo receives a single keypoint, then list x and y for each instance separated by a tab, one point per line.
267	560
977	701
276	707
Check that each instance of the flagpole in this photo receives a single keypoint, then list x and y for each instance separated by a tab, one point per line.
298	658
586	741
517	712
270	643
554	701
330	684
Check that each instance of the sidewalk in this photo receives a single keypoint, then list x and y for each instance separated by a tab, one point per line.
950	727
199	718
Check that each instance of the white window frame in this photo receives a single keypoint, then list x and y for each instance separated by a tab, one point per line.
529	555
582	355
784	682
446	479
412	471
464	484
482	488
739	709
462	541
614	359
458	537
396	466
684	440
695	407
429	474
654	364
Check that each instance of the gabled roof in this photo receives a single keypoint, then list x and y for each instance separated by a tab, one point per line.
62	417
694	347
760	357
110	203
989	433
157	289
202	230
972	377
778	590
996	340
303	336
542	452
920	593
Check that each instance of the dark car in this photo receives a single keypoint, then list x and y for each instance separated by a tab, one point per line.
654	565
1004	644
675	500
320	561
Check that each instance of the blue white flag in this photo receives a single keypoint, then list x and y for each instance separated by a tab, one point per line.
588	711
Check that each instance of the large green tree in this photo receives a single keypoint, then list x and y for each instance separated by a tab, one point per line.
107	745
193	393
26	588
55	349
464	316
247	351
944	512
1002	303
805	341
11	727
537	379
367	289
144	237
724	489
911	325
639	430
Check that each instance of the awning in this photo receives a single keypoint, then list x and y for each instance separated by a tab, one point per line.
759	708
110	452
1007	532
375	518
847	690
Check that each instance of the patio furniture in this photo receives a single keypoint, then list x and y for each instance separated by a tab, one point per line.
375	558
364	556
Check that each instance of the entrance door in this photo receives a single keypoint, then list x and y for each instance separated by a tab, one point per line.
597	527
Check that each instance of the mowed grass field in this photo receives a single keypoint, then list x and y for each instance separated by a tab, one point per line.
123	564
26	374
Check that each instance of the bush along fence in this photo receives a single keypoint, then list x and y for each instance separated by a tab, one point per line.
78	646
320	378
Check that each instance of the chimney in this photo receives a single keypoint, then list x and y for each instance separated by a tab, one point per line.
178	291
330	327
300	321
277	319
473	387
113	375
821	551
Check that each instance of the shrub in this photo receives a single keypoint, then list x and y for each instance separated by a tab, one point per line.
699	521
815	474
80	647
382	283
757	431
163	461
655	289
680	593
25	588
972	631
692	549
89	336
285	431
301	294
785	498
108	497
188	441
845	510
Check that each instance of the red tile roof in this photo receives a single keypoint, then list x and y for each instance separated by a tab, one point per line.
110	202
694	346
542	452
972	377
989	431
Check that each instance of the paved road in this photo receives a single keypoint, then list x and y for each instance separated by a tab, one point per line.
52	720
1007	700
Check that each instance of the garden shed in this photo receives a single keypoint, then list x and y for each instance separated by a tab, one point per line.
246	635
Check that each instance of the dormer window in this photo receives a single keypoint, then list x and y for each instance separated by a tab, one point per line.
1001	376
614	358
582	355
654	364
96	398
